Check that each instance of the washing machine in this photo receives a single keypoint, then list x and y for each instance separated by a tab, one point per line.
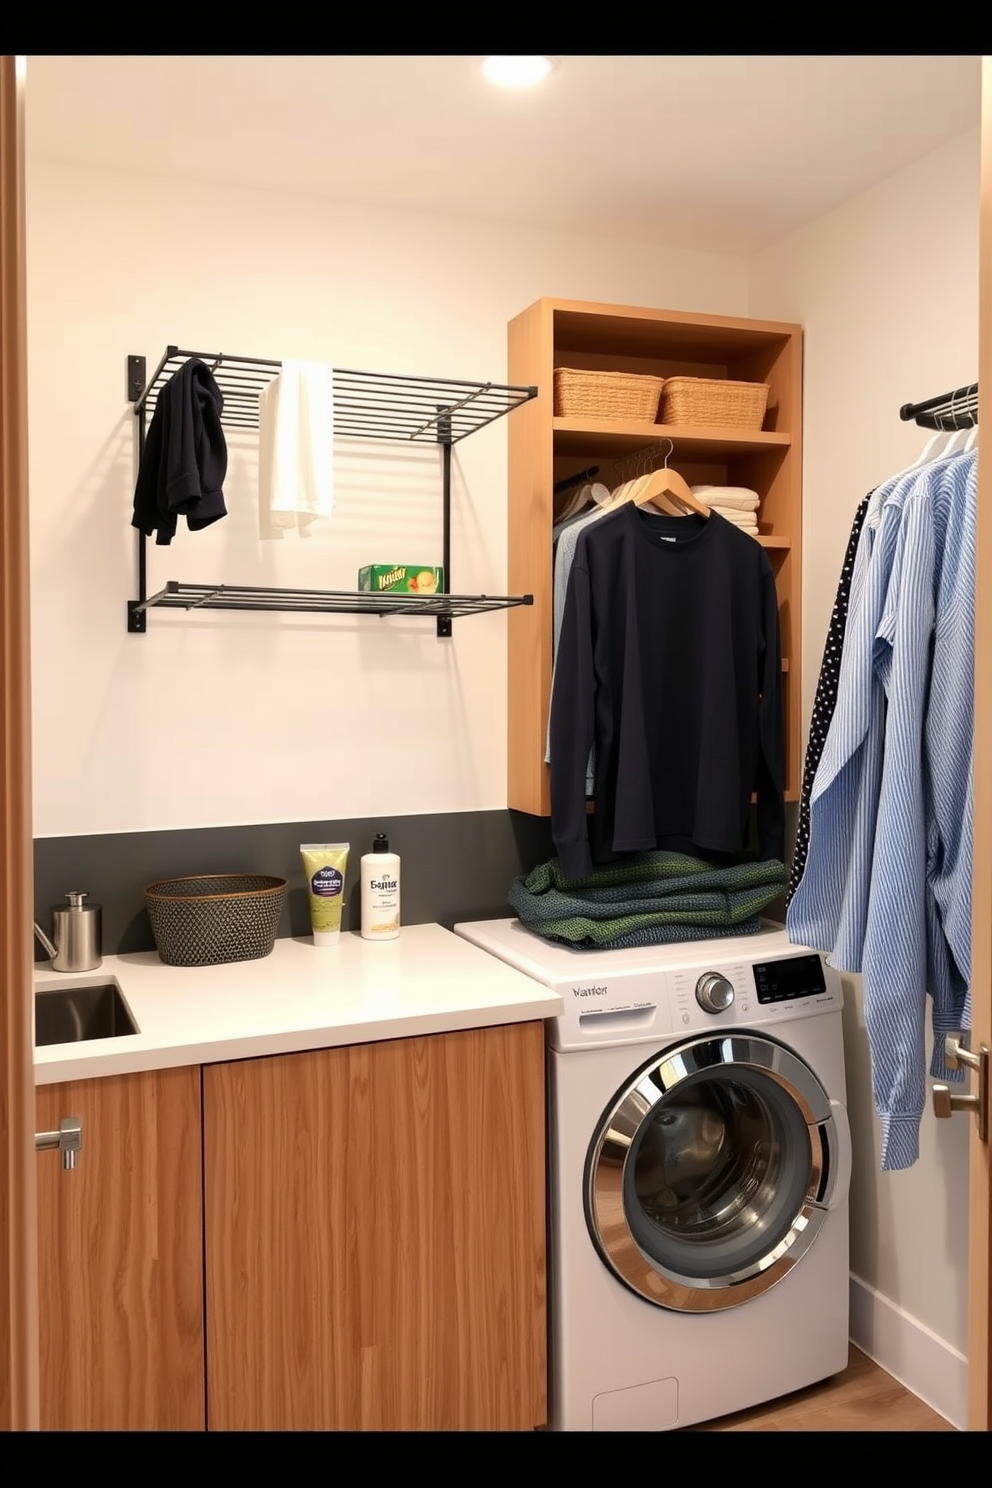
699	1160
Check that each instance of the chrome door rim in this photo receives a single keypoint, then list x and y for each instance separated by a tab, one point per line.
615	1136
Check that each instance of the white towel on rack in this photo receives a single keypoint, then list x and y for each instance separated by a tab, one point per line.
296	448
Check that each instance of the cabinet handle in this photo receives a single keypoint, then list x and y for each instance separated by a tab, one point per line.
68	1140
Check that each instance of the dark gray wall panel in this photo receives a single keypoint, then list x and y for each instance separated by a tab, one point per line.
455	866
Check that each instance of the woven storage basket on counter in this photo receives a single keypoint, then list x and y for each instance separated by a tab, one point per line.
714	400
606	395
215	917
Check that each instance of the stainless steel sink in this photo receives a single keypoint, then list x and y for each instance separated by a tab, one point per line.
72	1015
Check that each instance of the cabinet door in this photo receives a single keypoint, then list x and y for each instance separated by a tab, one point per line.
375	1236
120	1256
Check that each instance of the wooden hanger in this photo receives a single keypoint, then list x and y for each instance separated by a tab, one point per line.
668	486
653	492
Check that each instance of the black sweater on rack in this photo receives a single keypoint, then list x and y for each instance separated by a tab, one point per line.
669	660
185	456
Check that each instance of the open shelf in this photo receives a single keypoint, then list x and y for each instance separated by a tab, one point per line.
607	438
633	331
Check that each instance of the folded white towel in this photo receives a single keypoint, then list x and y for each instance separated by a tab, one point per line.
728	490
724	499
296	448
746	523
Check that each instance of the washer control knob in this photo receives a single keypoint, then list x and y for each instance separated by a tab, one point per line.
714	993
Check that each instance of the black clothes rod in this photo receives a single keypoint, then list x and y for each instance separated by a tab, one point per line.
575	480
957	410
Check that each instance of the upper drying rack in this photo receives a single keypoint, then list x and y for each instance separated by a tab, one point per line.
367	405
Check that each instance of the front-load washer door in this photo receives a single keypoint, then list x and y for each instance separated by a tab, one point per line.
712	1171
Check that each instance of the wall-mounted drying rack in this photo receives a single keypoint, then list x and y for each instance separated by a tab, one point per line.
367	405
957	410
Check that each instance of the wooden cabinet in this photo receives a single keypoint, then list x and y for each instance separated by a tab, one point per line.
120	1256
354	1236
542	449
375	1236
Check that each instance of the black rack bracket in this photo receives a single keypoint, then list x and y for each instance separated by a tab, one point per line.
136	375
137	617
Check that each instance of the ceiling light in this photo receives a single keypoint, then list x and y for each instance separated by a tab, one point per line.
517	72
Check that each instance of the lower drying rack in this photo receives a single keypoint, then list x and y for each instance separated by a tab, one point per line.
181	596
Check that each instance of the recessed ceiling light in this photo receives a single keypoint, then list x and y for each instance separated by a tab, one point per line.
517	72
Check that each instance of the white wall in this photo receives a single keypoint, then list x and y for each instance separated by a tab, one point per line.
226	719
887	289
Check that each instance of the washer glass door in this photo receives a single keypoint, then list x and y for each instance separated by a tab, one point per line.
710	1173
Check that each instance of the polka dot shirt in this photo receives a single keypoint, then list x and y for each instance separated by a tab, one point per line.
826	699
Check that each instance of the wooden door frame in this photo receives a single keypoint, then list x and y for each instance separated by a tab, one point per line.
18	1219
980	1175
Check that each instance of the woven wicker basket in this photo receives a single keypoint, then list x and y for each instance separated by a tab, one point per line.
706	400
606	395
215	917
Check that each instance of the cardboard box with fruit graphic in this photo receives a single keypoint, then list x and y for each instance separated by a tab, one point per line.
400	578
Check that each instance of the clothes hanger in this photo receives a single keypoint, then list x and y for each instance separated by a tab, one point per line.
668	485
959	436
578	492
628	467
632	490
931	450
574	501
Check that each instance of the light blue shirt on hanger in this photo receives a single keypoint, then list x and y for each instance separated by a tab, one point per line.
887	885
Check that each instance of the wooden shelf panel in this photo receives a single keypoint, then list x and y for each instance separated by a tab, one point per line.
606	438
632	331
768	540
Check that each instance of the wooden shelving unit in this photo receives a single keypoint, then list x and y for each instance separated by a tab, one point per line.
544	449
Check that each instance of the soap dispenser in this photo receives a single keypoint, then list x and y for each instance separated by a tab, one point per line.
380	891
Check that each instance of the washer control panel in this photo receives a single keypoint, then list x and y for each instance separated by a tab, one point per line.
739	992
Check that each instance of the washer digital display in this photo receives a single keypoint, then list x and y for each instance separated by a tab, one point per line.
783	981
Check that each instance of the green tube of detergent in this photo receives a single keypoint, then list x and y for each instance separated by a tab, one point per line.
325	865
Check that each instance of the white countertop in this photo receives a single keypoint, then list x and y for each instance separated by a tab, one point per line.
428	980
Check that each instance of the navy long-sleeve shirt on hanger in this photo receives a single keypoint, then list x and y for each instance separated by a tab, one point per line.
670	660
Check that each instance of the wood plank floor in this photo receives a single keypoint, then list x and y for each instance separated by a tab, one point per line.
861	1398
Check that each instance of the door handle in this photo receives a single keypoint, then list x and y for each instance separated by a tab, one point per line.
68	1140
945	1103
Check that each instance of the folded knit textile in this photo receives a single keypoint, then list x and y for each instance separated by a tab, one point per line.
739	519
741	498
646	899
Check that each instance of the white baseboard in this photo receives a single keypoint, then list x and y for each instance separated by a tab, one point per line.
905	1348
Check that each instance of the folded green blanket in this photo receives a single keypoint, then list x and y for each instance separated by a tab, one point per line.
646	899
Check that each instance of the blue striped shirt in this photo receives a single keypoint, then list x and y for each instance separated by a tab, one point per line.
887	886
